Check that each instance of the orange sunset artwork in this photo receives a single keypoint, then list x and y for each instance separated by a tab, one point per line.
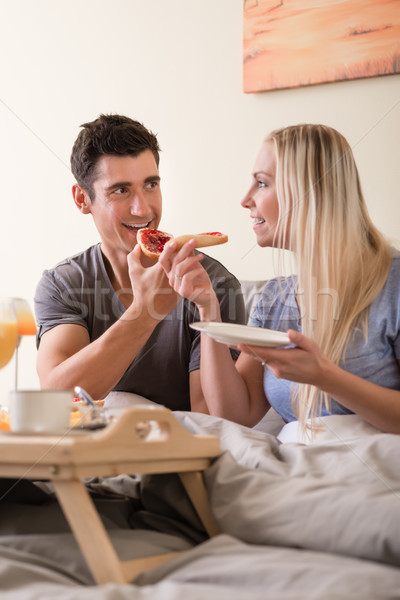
293	43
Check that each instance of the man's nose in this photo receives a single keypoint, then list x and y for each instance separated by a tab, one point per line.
139	205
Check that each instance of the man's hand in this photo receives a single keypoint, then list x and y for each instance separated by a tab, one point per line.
152	294
67	357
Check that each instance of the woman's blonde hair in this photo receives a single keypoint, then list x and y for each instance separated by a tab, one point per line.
342	260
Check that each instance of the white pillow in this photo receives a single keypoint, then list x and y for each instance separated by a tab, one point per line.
252	291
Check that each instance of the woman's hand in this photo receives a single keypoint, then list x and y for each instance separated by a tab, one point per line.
304	363
188	278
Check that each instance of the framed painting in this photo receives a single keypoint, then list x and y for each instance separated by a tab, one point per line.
294	43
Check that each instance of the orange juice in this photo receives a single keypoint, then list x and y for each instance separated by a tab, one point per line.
8	341
4	420
26	322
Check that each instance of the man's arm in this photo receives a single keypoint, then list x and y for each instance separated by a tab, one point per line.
66	357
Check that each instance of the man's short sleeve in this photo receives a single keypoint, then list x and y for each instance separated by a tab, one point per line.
56	303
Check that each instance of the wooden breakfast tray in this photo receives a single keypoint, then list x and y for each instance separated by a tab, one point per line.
140	440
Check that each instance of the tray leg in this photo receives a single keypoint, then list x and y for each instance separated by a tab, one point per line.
89	531
194	485
133	568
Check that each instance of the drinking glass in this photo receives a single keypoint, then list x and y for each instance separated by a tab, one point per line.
8	331
25	326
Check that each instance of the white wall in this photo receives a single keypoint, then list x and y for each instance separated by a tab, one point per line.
176	65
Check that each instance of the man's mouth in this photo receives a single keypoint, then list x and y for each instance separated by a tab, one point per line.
136	226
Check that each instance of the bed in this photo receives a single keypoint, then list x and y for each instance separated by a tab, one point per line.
298	518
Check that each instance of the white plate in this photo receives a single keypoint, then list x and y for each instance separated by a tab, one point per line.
233	333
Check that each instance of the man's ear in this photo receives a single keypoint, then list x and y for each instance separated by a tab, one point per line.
81	199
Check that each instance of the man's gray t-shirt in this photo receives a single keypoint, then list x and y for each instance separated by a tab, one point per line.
79	291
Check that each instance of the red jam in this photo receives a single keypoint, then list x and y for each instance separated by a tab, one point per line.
212	233
155	240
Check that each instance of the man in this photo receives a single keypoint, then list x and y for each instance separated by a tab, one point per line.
107	317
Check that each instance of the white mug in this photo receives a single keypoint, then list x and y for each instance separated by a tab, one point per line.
40	411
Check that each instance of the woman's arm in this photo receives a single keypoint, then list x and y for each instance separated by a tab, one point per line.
306	363
233	393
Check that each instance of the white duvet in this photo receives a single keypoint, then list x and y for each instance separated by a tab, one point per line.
317	520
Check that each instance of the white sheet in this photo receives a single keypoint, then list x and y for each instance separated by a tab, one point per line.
311	521
333	429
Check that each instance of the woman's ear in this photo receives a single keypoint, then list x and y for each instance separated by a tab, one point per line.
81	199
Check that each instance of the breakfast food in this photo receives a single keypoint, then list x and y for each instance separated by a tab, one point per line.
152	241
211	238
81	413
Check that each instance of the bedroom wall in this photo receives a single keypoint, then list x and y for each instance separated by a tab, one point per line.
176	65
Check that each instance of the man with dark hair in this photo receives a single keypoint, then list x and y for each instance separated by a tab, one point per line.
107	317
108	135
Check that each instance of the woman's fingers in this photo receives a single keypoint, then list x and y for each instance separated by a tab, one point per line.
177	264
170	256
171	252
301	340
185	266
167	255
186	274
303	363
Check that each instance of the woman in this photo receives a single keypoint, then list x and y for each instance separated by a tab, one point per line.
342	310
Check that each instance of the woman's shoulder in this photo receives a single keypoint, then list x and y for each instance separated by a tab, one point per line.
277	308
395	259
390	292
280	286
394	271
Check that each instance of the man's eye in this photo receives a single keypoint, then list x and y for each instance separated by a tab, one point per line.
119	191
151	185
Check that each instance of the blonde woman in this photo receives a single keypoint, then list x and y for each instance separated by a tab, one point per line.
341	310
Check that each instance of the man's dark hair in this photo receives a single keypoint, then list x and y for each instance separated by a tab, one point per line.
108	134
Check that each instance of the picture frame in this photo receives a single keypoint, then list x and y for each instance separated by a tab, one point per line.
295	43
